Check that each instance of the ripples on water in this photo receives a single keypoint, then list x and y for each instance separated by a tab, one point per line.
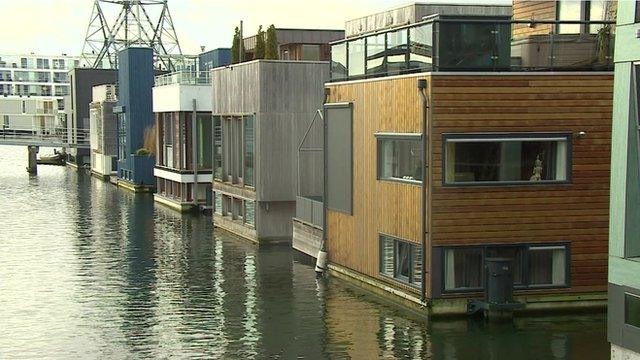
91	271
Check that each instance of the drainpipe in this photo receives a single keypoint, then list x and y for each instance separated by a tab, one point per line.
426	182
194	148
321	260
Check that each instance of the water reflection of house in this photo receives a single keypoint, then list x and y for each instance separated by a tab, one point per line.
516	166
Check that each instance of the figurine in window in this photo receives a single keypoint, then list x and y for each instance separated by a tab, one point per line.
537	169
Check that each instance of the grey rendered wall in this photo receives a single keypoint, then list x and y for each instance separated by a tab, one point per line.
82	83
274	220
284	95
290	94
235	89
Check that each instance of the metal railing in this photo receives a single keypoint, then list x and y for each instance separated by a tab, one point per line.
49	137
184	78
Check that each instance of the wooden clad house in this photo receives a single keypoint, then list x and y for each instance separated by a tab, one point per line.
516	165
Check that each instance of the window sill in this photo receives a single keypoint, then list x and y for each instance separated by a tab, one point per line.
400	281
504	184
403	181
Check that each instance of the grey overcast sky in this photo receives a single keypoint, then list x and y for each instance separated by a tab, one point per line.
59	26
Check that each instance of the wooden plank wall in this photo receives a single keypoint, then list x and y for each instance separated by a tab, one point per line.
577	212
378	206
533	10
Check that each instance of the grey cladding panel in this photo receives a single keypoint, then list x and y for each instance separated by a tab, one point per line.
339	157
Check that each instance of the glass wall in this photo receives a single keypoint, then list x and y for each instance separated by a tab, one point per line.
249	143
339	61
421	47
217	147
397	51
376	54
205	158
356	57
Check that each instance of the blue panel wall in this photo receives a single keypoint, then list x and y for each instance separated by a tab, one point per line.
135	82
214	58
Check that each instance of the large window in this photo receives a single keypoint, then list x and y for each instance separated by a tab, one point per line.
249	213
534	266
400	157
401	260
581	10
249	152
238	144
167	139
510	159
217	147
204	141
569	10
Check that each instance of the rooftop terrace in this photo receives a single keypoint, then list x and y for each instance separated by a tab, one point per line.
468	44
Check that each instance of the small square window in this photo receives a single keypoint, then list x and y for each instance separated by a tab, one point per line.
632	310
401	260
400	158
463	269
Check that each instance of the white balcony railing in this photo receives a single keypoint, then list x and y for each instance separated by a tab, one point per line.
184	78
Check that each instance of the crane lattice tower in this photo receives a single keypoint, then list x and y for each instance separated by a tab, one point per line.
137	23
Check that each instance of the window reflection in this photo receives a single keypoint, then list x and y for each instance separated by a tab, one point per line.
356	57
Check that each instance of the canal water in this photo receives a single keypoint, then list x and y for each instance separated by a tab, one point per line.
90	271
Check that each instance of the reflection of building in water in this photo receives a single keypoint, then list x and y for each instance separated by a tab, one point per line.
361	330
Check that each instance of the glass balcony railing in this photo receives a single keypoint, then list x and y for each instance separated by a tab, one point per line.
184	78
475	45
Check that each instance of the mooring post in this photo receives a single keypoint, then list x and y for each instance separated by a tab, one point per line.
32	167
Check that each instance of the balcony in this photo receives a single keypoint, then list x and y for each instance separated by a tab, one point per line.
437	44
184	78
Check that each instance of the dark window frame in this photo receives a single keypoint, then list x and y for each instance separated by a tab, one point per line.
395	136
485	136
411	281
524	270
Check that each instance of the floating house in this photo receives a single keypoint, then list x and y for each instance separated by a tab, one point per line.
298	44
136	135
184	162
624	232
214	58
103	131
82	81
452	140
261	110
